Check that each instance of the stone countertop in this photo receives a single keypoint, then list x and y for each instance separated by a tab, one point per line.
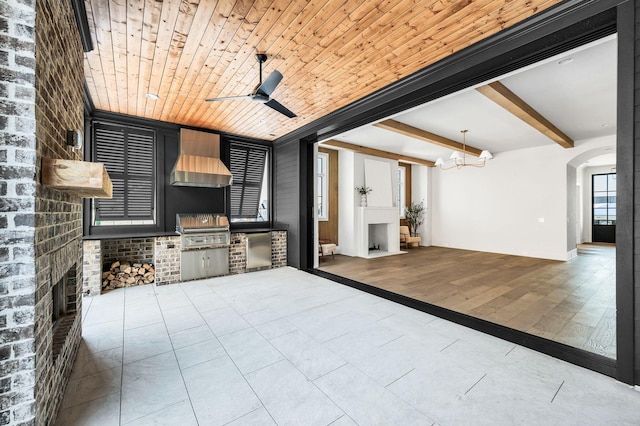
172	234
132	235
255	230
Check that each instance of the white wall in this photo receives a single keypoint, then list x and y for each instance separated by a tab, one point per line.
517	204
581	201
420	184
346	201
572	211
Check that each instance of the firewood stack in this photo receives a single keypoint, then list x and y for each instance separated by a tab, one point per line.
126	274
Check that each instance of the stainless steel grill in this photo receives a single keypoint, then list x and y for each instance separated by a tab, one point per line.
205	240
186	223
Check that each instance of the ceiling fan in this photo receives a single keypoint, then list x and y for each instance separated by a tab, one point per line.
263	91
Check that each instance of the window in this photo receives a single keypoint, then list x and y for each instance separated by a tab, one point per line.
129	156
604	199
250	188
402	190
322	191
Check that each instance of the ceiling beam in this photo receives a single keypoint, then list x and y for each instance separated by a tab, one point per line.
377	153
423	135
508	100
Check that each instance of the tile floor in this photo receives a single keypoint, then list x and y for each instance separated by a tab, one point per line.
288	348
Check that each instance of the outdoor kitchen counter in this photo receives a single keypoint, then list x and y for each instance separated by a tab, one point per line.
164	248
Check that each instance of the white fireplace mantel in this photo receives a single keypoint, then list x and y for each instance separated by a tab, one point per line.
366	216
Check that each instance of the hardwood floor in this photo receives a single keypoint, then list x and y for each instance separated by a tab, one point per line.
569	302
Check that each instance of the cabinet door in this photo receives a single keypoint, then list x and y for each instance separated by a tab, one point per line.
192	265
217	262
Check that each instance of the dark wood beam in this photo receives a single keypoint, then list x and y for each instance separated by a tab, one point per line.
423	135
378	153
508	100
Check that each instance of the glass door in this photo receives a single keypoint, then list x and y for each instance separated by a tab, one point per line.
604	208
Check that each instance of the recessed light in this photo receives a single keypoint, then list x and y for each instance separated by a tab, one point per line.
565	61
152	96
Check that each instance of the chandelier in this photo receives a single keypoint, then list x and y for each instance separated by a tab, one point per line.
459	159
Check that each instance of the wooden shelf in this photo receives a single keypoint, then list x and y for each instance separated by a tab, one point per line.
81	178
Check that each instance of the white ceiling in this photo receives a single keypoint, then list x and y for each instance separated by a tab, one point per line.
578	97
601	160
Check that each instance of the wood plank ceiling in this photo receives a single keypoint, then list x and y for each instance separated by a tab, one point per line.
331	53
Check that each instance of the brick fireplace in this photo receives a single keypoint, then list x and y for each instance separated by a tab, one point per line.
41	97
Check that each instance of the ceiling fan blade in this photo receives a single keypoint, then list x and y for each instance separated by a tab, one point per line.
228	98
269	85
280	108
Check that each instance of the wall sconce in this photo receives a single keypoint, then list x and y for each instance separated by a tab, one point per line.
74	139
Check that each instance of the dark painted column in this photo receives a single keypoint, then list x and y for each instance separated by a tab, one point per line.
632	24
286	183
628	167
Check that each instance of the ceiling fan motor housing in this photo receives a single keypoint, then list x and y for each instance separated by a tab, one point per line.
262	98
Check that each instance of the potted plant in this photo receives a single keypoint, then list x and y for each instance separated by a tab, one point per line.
363	191
414	213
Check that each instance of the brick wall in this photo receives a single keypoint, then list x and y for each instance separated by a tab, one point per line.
167	260
135	250
58	221
91	267
40	99
238	253
278	249
17	213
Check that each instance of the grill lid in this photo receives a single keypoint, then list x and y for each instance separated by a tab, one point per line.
201	222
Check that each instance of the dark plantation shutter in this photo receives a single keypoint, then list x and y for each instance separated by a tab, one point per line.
129	156
109	142
247	167
141	166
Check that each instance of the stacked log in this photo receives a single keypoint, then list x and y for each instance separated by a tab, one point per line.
126	274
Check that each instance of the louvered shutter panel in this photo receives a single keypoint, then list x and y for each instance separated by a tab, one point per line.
247	167
129	157
109	142
141	167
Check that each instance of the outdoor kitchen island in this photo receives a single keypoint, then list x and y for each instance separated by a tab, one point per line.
163	251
